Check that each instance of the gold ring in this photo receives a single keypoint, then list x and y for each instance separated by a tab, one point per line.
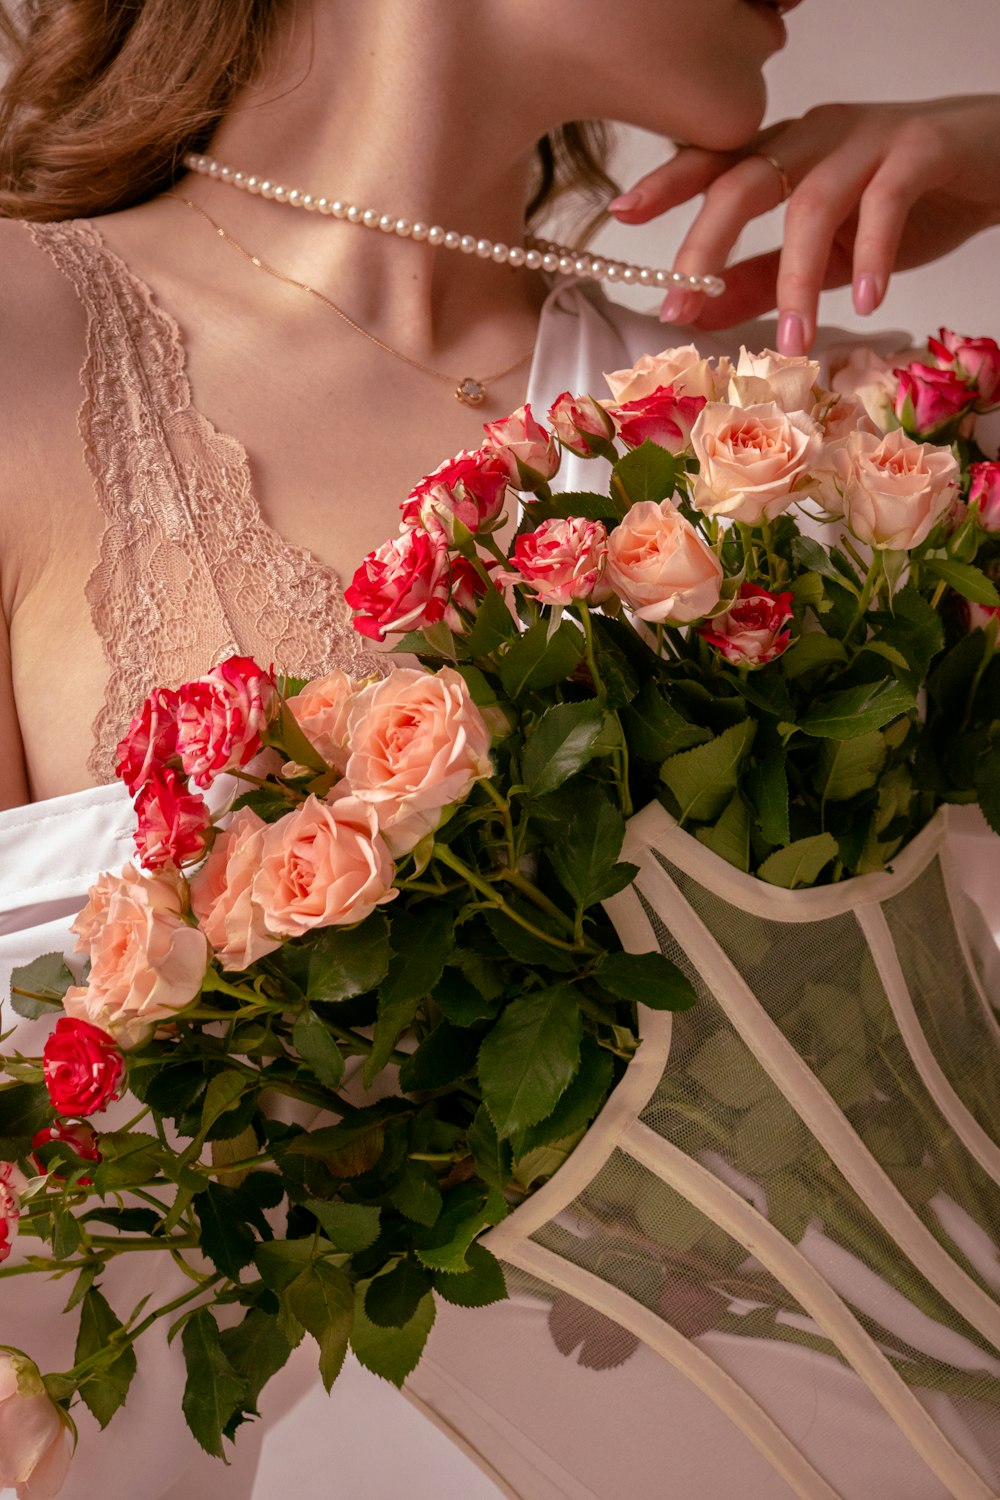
786	186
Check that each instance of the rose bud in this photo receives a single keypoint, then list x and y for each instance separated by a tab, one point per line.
582	426
36	1439
403	585
12	1183
977	616
83	1067
418	745
470	488
661	417
789	380
146	962
978	360
984	495
755	628
173	822
893	491
753	460
929	399
562	561
150	741
661	567
528	449
81	1139
221	717
322	865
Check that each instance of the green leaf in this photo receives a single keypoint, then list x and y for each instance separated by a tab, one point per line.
655	730
349	1226
647	979
445	1055
847	767
347	1149
280	1261
584	854
966	580
767	787
480	1285
416	1194
579	1104
224	1091
460	1000
812	650
393	1297
256	1349
729	836
561	744
530	1056
566	504
724	1069
422	943
467	1212
24	1109
988	786
390	1352
213	1390
104	1391
492	1155
649	472
344	962
704	779
525	946
225	1236
858	710
537	660
322	1299
799	863
318	1049
493	625
38	988
131	1158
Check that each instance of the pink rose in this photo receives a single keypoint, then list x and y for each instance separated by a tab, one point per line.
81	1139
752	460
221	717
984	495
36	1440
929	399
978	360
893	490
12	1183
323	865
321	710
150	741
147	962
661	417
661	567
173	822
755	628
527	448
562	561
404	585
470	488
418	745
582	425
222	894
789	380
977	616
83	1065
683	369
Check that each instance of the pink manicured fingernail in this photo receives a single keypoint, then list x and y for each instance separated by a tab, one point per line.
867	294
625	202
678	306
791	334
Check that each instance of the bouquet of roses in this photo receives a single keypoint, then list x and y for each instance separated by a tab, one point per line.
393	914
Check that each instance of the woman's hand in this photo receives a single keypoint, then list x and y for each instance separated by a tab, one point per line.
874	188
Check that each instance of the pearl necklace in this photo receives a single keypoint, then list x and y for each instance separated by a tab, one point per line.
537	255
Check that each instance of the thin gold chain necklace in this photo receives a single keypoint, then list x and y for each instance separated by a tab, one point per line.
468	390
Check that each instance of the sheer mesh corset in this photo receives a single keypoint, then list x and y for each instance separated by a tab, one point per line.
188	571
800	1173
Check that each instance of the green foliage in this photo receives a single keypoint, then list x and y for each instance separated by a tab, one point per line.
390	1352
37	989
107	1386
702	781
530	1056
214	1389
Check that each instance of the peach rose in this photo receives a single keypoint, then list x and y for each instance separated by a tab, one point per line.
789	380
862	373
893	490
36	1440
752	460
418	744
321	711
323	865
221	895
682	368
147	963
661	567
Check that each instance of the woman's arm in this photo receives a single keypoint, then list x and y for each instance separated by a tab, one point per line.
874	188
13	778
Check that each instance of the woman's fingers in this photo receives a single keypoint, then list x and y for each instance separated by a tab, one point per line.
683	177
902	178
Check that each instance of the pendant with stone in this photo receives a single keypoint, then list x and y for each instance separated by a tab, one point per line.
470	392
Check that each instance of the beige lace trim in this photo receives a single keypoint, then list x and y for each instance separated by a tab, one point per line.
188	571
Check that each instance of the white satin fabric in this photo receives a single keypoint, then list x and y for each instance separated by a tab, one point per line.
363	1443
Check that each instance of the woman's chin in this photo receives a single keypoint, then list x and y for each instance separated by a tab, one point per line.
730	119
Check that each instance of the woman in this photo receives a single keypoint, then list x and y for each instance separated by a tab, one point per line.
224	519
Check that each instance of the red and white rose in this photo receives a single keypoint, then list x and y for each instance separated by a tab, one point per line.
403	585
662	417
12	1184
582	425
222	716
469	488
526	448
562	561
754	630
83	1067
